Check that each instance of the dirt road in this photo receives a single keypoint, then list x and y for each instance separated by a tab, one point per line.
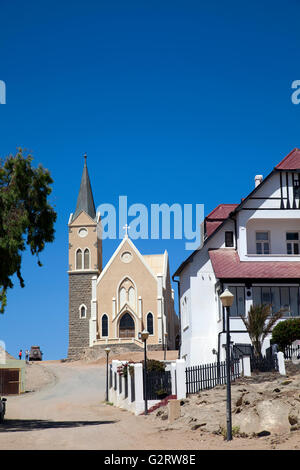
67	411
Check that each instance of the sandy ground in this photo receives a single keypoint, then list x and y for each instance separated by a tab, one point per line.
65	409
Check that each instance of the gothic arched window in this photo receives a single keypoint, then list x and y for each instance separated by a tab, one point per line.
150	323
122	296
104	326
79	259
82	311
86	258
131	296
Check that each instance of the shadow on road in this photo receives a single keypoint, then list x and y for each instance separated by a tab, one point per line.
16	425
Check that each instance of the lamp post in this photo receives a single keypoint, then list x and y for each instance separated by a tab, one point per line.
144	336
107	350
165	352
227	300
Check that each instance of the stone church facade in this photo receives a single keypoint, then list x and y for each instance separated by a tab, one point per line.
111	305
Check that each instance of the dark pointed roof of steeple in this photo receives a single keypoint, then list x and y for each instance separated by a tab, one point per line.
85	200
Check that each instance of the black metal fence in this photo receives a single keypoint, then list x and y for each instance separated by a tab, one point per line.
159	385
207	376
126	385
290	350
266	363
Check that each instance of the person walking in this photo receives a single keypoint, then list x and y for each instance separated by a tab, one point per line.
20	354
27	355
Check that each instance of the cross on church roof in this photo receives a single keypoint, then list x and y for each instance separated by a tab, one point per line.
126	227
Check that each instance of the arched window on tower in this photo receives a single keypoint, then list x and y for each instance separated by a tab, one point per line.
150	323
86	258
104	326
79	259
82	311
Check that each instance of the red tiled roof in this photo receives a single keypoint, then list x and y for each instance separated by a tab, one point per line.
211	227
227	265
221	212
290	162
217	216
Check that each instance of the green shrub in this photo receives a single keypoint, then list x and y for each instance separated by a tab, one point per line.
152	364
285	332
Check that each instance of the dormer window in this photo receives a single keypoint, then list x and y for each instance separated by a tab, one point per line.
262	243
292	243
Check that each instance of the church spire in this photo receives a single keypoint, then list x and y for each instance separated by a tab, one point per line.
85	200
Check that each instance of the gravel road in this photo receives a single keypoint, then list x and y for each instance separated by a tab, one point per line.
65	410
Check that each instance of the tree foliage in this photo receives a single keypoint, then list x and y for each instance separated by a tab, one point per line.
259	324
26	217
286	332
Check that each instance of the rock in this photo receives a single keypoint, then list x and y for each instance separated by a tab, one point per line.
239	401
293	417
295	427
263	433
276	390
197	426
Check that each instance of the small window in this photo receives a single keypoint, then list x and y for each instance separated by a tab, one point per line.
292	243
150	323
262	243
104	325
229	239
83	311
78	259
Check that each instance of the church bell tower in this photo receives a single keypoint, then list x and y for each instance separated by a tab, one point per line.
85	265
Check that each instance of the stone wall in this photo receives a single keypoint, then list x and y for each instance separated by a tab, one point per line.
80	292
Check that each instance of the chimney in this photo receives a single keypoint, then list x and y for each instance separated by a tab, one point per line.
258	180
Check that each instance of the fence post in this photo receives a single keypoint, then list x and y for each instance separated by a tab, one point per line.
180	379
246	366
281	364
173	378
138	387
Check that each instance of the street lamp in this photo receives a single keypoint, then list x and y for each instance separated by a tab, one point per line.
144	337
165	354
107	350
227	300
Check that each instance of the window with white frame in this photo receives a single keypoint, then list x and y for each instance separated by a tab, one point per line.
278	297
292	243
262	243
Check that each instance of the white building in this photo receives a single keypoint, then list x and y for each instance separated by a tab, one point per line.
253	249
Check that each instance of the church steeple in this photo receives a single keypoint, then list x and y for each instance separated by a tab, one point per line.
85	200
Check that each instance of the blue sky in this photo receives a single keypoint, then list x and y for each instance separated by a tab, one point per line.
173	101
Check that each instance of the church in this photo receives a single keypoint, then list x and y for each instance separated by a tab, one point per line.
110	305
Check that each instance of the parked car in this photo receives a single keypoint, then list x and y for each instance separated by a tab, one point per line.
2	409
35	353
